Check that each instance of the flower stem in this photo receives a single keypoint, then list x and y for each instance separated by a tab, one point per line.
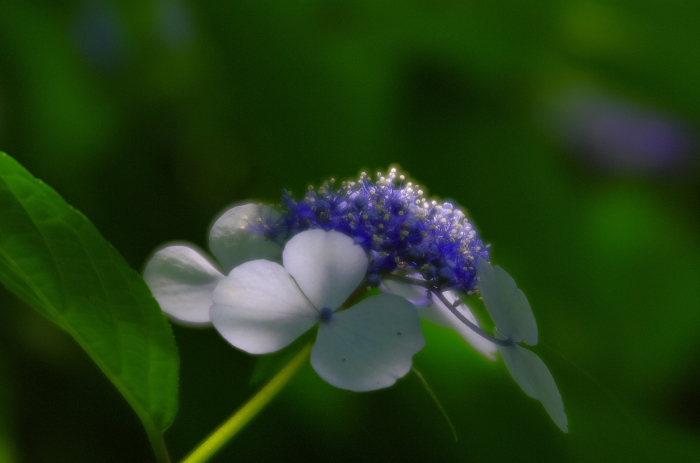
235	423
451	307
159	449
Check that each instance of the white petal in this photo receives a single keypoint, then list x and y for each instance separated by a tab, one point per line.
506	304
182	281
232	244
370	345
259	308
416	294
437	313
328	266
530	372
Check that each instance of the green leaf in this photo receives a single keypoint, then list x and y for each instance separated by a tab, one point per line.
53	258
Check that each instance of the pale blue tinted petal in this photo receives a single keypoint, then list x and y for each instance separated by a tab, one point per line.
328	266
182	280
436	312
416	294
533	376
370	345
506	304
232	244
259	308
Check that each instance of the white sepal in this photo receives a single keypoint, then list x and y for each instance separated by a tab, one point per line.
232	243
418	295
370	345
182	280
436	312
506	304
328	266
533	376
259	308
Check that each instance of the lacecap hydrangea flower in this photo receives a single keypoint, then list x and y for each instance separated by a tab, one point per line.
284	269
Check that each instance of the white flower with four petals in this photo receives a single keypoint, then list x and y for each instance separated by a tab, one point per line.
262	306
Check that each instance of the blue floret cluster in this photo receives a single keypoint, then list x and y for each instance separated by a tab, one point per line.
396	225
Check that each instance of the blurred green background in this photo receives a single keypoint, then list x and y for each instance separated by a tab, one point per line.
567	129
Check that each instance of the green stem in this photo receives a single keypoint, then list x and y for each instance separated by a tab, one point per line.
158	444
235	423
466	321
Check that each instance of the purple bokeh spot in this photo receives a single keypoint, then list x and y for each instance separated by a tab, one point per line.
620	136
100	35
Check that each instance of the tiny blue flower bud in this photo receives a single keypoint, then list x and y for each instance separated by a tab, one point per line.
386	264
445	275
326	315
322	205
416	254
374	280
429	273
361	201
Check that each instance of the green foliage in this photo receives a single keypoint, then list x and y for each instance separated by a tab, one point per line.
53	258
7	452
